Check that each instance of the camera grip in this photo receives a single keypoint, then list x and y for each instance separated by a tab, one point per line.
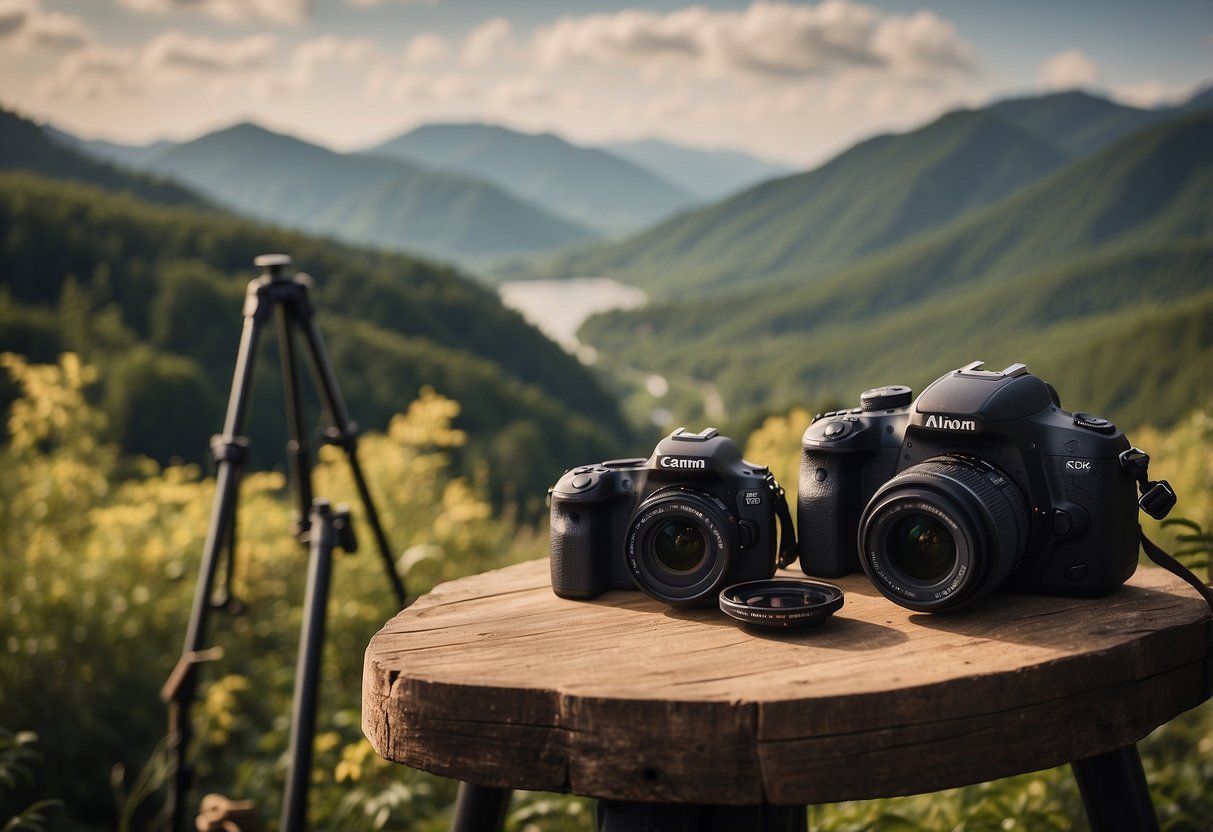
578	571
827	515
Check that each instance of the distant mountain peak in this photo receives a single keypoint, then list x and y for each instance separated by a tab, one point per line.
589	185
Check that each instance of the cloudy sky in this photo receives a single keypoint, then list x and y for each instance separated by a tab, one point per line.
794	81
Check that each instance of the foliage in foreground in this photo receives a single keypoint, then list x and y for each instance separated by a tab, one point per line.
96	582
98	579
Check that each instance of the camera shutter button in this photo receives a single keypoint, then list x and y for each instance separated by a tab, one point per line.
834	430
583	481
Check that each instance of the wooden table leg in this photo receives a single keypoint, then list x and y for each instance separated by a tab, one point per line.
1114	792
624	816
480	808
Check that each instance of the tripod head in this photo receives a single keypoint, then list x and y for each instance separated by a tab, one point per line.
273	266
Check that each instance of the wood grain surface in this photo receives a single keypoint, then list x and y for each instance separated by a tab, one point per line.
494	680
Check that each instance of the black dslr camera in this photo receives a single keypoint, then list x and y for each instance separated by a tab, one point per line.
982	481
679	525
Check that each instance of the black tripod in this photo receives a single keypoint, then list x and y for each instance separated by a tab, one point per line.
317	525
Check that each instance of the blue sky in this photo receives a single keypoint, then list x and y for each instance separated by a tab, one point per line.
792	81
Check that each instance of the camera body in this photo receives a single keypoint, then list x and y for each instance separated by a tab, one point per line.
982	481
679	525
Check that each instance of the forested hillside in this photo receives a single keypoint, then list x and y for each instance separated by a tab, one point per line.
1080	123
153	296
877	194
1065	272
26	146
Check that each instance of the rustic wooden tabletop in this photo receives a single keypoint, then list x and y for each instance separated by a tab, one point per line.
494	680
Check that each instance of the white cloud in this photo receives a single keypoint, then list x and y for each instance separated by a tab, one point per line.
487	42
767	39
99	71
780	39
367	4
789	80
1152	94
177	51
91	73
525	92
15	16
230	11
922	45
58	31
325	66
630	34
1068	70
425	48
25	26
1145	94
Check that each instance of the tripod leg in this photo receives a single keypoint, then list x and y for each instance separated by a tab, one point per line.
324	537
230	453
327	382
297	454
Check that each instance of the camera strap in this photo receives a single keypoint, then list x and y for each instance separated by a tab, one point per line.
1157	500
787	533
1166	561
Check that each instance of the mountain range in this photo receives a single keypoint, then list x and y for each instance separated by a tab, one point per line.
359	198
1055	256
875	195
465	192
597	189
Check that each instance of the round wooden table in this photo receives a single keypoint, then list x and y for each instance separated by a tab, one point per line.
495	681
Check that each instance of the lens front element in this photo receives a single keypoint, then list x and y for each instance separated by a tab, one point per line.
922	547
679	545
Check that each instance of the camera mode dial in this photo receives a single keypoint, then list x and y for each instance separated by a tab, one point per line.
885	398
1095	423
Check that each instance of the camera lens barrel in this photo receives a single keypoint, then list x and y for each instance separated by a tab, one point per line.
679	545
943	533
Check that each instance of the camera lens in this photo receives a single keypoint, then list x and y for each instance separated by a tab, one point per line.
922	547
679	544
943	533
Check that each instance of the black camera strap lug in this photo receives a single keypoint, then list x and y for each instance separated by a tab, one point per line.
787	536
1157	500
1157	497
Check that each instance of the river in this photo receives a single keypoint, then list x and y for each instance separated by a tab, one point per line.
559	307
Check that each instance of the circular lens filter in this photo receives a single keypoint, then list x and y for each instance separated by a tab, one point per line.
781	603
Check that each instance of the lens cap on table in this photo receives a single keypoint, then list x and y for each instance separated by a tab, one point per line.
781	603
